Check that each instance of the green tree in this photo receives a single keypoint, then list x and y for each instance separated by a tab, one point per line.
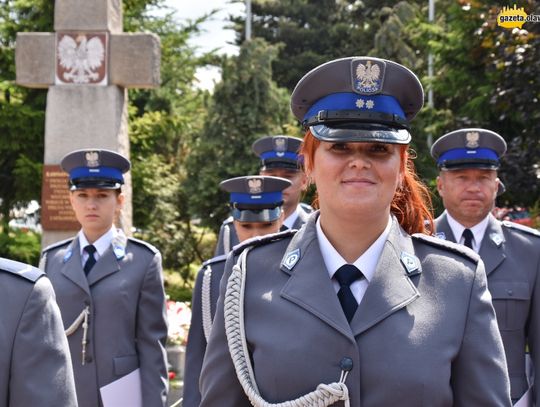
21	110
311	32
163	124
246	105
485	77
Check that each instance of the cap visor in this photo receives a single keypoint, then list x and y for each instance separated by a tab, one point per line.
360	132
261	215
94	185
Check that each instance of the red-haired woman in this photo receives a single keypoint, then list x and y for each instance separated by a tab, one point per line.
360	307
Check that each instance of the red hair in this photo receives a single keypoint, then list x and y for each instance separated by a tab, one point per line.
411	204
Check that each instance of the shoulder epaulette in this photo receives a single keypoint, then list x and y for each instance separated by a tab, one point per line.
144	244
261	240
56	245
227	221
447	245
306	208
521	228
215	260
21	269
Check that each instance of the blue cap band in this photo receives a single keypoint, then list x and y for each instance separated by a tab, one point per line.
274	154
97	172
262	198
354	101
457	154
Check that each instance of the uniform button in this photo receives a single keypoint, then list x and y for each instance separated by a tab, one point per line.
510	292
346	364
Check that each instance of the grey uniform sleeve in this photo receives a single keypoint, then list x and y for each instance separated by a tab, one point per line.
533	334
41	373
218	383
152	336
479	373
196	346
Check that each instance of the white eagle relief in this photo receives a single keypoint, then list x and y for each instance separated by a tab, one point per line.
80	61
368	75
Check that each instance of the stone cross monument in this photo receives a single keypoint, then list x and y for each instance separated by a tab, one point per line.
87	64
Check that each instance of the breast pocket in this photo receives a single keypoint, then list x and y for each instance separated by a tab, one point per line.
125	364
511	303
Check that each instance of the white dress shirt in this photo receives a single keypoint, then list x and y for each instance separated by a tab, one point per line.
101	244
477	230
366	263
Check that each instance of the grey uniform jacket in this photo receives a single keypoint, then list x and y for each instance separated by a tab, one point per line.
196	345
427	337
511	254
228	238
35	367
127	323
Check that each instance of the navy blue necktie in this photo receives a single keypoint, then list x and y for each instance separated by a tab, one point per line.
90	249
346	275
468	236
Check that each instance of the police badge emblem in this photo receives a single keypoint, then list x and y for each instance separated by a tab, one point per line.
410	261
280	145
92	159
441	235
496	238
367	79
291	259
472	139
255	185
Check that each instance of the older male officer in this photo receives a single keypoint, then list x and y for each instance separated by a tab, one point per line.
256	203
110	291
468	160
35	366
279	158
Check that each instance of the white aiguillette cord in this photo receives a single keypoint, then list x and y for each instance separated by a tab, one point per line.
323	396
82	318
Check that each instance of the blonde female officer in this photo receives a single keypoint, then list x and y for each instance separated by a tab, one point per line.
110	291
257	209
359	307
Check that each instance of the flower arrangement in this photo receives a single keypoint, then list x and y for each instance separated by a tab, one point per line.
179	317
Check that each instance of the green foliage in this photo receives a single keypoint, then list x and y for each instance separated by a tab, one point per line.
163	123
20	245
246	105
485	76
21	110
311	32
177	288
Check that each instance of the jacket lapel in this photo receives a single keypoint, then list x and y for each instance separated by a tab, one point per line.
492	247
72	268
391	288
106	265
309	285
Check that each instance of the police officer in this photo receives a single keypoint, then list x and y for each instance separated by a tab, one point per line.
35	366
468	160
256	203
279	158
360	307
109	288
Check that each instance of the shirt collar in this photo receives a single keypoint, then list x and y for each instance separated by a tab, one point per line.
101	244
289	222
366	263
477	230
